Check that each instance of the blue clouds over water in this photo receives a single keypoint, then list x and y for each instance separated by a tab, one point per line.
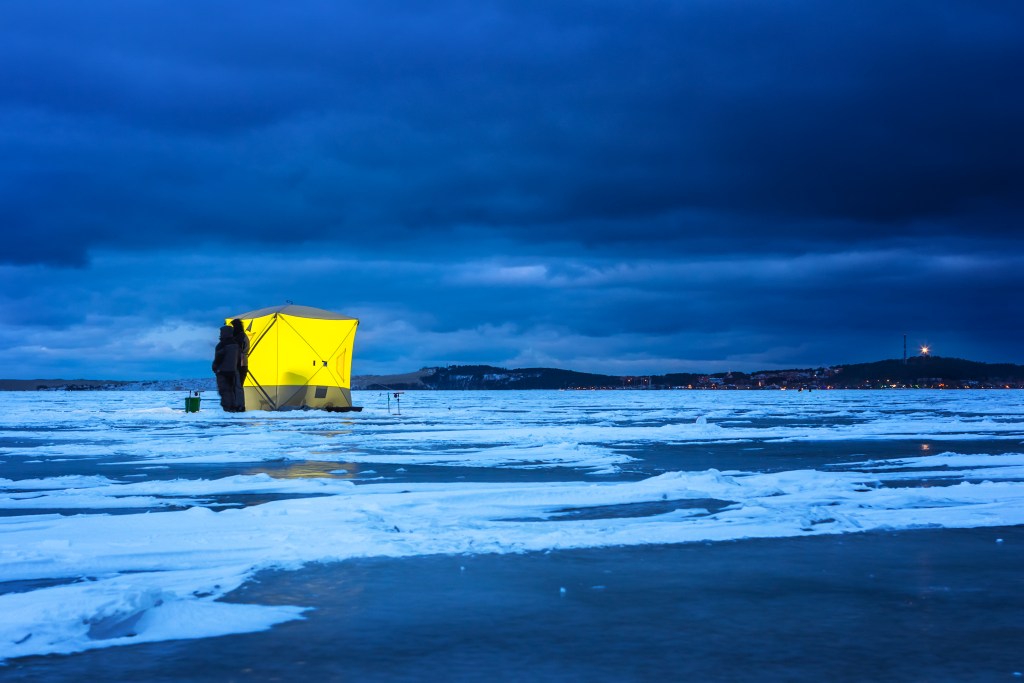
604	186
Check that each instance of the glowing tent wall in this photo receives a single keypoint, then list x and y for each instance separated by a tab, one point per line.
299	357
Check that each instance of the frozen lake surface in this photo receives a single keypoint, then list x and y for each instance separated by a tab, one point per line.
515	536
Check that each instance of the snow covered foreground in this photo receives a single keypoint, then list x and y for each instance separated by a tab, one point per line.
86	578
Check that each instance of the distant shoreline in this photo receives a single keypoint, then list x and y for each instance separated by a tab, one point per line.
919	372
203	384
928	372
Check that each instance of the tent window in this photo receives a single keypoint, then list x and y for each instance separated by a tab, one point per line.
321	392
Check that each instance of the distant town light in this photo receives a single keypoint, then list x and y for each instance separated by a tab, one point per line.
925	350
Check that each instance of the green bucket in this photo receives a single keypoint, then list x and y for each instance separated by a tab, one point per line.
192	404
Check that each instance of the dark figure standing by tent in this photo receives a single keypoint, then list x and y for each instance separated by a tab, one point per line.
226	361
243	349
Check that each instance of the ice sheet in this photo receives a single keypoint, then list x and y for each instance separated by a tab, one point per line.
81	581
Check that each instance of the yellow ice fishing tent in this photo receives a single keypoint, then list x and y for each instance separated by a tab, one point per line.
299	357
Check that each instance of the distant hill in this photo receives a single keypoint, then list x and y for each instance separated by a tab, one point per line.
930	371
408	380
488	377
925	369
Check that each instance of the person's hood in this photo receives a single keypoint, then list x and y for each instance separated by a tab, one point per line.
227	333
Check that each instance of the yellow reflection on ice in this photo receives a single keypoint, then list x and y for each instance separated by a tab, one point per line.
311	470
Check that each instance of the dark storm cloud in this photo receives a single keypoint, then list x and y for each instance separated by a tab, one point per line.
608	186
712	125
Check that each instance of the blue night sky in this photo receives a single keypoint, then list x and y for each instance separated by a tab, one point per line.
618	187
